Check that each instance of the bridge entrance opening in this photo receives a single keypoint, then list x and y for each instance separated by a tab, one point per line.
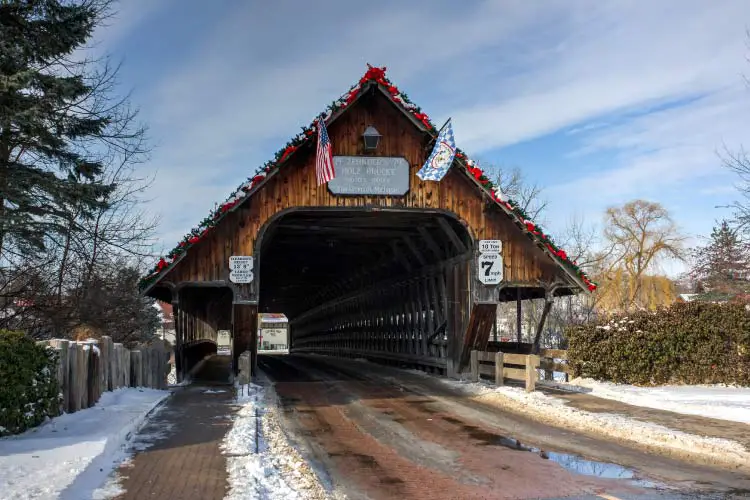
384	284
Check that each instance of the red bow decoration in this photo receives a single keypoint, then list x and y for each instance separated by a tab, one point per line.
289	150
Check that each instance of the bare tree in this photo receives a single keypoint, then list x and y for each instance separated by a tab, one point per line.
639	235
515	186
739	163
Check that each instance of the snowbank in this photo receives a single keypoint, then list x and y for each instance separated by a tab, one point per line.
260	462
713	401
71	456
554	411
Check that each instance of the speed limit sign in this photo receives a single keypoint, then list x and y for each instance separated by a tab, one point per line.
490	268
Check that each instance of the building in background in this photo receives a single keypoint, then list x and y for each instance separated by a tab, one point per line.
273	332
165	330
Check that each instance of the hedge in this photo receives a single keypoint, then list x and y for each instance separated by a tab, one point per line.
29	391
687	343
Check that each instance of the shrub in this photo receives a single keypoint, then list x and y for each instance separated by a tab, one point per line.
29	391
689	343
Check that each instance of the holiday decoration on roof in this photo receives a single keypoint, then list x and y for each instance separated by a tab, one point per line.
377	76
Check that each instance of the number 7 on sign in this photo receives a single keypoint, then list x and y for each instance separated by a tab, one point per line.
487	267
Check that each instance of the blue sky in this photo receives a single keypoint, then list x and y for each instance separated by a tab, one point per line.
598	102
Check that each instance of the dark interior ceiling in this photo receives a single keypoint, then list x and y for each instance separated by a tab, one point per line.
310	257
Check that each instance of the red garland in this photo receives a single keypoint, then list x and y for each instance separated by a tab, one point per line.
289	150
378	75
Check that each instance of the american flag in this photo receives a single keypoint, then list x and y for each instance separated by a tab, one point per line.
324	156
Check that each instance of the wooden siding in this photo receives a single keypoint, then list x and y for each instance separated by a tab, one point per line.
295	186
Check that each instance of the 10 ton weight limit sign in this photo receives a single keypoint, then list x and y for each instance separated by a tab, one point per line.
241	269
490	262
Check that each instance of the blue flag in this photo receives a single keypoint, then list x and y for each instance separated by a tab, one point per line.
441	158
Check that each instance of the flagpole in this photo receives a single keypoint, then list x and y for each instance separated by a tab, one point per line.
429	144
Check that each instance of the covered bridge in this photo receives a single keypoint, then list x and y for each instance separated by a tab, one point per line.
377	263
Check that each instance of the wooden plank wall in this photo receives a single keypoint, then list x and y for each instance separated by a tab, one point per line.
295	186
86	370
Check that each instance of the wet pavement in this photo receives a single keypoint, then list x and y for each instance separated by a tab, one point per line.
371	437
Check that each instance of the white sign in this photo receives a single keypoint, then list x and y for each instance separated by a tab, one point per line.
490	246
490	268
241	269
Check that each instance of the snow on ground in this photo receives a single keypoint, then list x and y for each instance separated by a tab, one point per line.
70	456
554	411
260	462
714	401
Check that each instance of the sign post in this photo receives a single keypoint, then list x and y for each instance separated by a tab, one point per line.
241	269
490	262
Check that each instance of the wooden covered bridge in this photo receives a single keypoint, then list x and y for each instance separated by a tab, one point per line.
377	263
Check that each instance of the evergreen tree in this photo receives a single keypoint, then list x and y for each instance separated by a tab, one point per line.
722	267
58	125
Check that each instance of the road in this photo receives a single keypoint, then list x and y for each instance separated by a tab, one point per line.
374	432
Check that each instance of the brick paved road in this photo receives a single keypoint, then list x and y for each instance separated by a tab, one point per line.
185	462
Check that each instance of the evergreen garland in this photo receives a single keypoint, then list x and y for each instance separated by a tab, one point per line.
377	75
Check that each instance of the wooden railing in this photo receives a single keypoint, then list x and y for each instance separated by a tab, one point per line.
519	367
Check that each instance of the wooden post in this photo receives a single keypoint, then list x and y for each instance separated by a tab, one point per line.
147	367
150	367
117	359
72	395
474	366
92	377
499	364
532	361
107	347
518	315
63	376
83	373
136	379
126	371
244	329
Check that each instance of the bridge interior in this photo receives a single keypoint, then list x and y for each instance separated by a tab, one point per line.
390	285
368	283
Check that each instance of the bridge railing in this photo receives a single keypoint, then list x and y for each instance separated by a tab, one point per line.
519	367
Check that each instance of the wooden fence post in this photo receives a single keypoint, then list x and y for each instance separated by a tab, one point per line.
72	371
474	366
532	362
499	365
117	359
92	377
63	377
126	373
83	371
136	371
106	362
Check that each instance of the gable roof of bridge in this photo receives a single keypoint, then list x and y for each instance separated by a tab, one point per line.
373	77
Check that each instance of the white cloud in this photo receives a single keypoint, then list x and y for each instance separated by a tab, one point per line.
506	71
619	56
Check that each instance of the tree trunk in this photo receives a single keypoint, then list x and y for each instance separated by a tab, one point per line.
549	297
